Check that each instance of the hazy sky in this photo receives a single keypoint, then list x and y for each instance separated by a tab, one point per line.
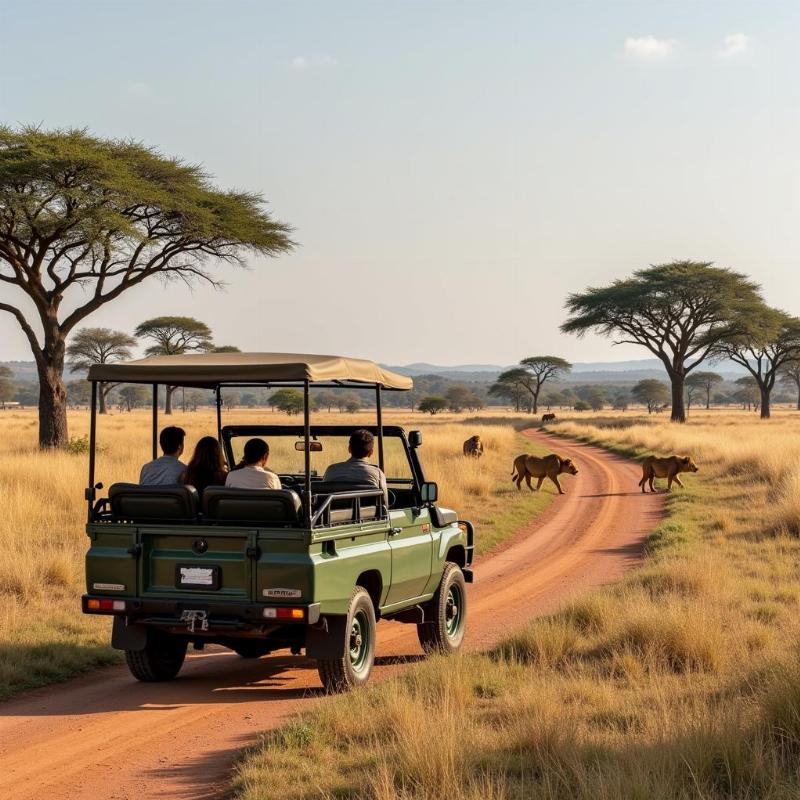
452	169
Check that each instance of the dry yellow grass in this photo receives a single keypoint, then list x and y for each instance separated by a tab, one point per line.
44	637
683	681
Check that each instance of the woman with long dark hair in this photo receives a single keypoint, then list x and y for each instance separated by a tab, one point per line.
207	465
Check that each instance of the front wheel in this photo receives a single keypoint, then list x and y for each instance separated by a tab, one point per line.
160	660
354	667
446	613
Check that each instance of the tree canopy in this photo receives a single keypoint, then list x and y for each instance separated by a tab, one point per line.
531	374
651	393
98	346
678	311
763	344
290	401
432	404
84	219
704	381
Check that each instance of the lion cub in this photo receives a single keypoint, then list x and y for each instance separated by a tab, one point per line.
668	468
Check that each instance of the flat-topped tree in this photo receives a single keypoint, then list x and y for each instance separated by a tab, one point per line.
703	381
98	346
789	375
531	374
763	344
678	311
174	336
84	219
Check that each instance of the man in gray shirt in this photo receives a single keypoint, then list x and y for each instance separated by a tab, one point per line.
357	468
167	470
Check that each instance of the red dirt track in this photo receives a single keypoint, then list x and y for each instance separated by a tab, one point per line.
106	736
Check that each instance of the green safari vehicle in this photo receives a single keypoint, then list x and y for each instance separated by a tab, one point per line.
310	567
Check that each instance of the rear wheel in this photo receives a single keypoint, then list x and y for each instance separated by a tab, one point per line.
446	613
161	659
352	669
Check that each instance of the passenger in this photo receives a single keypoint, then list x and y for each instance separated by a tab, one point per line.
207	466
357	469
168	469
251	472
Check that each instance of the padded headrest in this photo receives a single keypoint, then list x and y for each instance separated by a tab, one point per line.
131	501
267	506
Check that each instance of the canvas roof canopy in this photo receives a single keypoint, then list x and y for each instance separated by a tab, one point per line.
209	370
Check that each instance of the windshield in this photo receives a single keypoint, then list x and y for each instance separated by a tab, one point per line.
286	460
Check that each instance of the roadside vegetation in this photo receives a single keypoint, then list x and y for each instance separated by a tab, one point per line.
681	681
43	635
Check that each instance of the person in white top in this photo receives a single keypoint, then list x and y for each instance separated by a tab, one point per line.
251	471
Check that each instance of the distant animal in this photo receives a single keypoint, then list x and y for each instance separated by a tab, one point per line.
551	466
548	417
668	468
473	447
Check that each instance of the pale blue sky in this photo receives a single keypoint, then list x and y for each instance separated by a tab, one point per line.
460	165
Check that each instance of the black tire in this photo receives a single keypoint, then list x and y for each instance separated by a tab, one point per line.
250	648
446	614
161	659
352	669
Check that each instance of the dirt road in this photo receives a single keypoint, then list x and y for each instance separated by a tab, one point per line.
107	736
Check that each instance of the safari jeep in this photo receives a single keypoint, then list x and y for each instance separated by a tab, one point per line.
310	567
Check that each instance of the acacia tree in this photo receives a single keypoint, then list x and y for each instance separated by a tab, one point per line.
98	346
7	386
678	311
769	340
432	404
84	219
651	393
509	386
532	373
174	336
702	381
790	376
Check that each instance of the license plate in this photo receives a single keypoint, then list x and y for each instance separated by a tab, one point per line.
191	577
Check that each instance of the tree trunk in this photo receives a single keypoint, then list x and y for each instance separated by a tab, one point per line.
52	397
104	390
168	399
764	403
798	396
708	398
678	388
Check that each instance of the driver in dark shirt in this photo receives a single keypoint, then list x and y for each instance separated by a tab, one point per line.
357	469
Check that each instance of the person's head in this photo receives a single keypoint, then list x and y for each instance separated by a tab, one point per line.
171	440
362	443
256	453
206	461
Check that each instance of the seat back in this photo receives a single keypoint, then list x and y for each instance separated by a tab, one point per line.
267	507
152	504
346	509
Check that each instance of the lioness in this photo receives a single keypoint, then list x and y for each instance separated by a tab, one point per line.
473	447
668	468
548	417
551	466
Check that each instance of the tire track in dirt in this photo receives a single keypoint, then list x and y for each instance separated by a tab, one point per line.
106	736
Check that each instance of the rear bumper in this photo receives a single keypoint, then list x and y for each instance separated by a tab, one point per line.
219	613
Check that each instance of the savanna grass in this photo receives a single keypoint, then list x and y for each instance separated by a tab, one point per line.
681	681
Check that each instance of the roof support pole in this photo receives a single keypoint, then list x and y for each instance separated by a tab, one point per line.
307	432
155	421
218	397
379	410
90	491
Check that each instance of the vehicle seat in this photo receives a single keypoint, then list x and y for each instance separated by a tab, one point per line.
268	507
344	510
152	504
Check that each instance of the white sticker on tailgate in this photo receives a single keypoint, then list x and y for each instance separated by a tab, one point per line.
282	593
198	576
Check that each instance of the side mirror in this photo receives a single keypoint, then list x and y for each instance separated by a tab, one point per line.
429	492
414	438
